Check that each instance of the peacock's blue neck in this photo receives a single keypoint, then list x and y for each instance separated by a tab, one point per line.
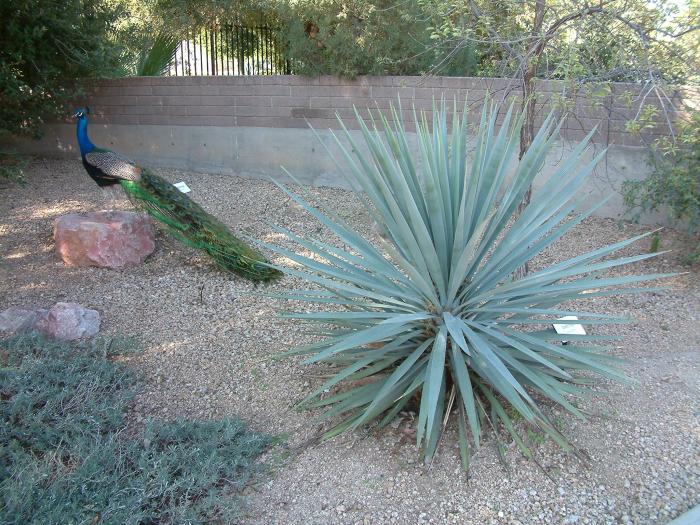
83	140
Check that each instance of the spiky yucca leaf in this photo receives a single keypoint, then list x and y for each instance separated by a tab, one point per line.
155	60
437	315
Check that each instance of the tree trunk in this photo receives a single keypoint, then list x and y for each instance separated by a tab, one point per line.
528	89
527	132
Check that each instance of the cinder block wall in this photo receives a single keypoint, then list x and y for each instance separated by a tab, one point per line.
253	126
297	102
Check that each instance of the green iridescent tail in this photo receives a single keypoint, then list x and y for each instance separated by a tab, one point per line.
185	220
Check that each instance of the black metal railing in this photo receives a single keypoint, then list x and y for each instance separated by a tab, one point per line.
231	49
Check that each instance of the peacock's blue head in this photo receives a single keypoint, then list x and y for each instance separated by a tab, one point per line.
83	141
81	113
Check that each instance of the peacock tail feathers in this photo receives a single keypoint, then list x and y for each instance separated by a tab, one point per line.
185	220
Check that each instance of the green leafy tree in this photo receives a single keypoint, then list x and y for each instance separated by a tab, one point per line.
336	37
605	40
44	45
622	40
183	15
363	37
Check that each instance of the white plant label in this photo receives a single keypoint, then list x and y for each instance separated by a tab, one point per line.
184	188
569	329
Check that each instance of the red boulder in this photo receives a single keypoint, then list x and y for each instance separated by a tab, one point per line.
108	239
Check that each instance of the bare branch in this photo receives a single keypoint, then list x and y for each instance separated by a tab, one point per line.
558	24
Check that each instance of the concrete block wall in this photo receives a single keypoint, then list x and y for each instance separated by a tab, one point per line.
253	126
297	102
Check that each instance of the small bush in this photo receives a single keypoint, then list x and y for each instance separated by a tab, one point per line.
437	316
674	181
66	455
12	167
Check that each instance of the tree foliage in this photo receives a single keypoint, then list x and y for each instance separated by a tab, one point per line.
364	37
608	40
45	44
620	40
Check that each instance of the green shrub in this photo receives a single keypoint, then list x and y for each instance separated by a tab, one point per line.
55	393
674	181
435	315
12	167
66	455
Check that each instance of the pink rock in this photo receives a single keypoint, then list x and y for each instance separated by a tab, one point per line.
109	239
68	321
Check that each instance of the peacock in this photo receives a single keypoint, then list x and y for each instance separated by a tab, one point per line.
183	218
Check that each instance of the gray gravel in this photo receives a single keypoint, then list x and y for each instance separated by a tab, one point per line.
208	340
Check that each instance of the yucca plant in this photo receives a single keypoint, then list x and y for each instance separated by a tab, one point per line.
434	315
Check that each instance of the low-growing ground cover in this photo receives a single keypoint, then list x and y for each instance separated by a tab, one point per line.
207	341
68	456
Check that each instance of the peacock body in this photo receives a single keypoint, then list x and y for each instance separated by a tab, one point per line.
183	218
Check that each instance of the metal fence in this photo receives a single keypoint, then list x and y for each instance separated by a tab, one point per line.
231	49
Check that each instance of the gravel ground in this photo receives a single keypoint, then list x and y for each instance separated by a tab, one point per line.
208	340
